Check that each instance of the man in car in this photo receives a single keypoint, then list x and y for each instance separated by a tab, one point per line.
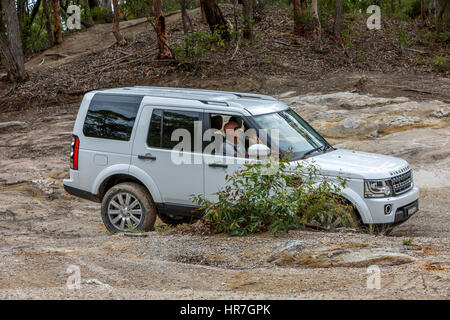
233	135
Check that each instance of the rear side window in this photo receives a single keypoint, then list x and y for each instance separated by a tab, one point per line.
111	116
164	123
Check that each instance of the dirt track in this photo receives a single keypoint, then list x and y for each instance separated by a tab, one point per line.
43	231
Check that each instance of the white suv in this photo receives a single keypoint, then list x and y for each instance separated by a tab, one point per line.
124	142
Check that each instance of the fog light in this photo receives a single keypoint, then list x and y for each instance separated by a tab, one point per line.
387	209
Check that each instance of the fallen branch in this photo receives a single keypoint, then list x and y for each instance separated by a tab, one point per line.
61	55
407	89
312	226
416	51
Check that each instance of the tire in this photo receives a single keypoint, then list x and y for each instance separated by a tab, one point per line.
128	206
355	220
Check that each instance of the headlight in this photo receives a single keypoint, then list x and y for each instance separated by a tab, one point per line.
377	188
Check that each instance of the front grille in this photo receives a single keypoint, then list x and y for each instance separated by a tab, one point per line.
402	182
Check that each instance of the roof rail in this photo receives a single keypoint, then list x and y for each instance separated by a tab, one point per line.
237	94
220	103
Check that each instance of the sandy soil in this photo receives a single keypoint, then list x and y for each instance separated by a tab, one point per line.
44	231
45	234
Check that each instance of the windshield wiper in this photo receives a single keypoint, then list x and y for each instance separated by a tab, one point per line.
312	150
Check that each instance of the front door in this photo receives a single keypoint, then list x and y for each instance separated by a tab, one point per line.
217	166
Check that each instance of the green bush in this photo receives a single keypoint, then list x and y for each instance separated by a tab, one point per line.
442	63
197	44
101	15
413	10
254	202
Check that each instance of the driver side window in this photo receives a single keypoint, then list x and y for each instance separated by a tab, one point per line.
235	133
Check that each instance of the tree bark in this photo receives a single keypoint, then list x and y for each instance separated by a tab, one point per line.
11	51
21	6
433	7
116	28
34	12
338	15
57	27
248	17
441	12
93	4
48	25
215	18
186	20
106	4
164	51
202	9
298	26
2	23
422	11
316	17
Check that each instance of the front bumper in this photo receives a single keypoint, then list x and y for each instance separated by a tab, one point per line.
398	203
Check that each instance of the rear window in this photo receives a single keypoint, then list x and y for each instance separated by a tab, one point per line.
111	116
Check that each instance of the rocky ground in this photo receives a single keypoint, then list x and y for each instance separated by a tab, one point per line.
46	234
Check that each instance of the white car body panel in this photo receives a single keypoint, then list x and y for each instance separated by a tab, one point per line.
100	159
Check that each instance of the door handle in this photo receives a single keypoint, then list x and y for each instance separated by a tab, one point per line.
218	165
147	156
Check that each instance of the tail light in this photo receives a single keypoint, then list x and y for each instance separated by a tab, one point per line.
75	146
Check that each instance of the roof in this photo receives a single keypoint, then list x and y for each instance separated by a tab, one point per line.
254	103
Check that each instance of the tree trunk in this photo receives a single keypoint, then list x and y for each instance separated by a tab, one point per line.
57	27
298	26
48	25
21	6
116	28
202	9
164	51
106	4
393	6
2	23
34	12
215	18
185	20
338	15
93	4
433	7
11	51
248	17
316	17
422	11
441	12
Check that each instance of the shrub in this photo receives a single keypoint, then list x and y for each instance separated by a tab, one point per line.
442	63
408	241
101	15
197	44
254	202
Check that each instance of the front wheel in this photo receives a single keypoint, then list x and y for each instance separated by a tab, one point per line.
128	207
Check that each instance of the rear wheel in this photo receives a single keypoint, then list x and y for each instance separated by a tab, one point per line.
128	207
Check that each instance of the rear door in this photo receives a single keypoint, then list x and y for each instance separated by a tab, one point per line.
178	173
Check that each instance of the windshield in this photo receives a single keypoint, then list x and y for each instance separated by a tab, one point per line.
295	135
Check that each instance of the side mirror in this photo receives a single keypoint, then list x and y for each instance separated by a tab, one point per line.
258	151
